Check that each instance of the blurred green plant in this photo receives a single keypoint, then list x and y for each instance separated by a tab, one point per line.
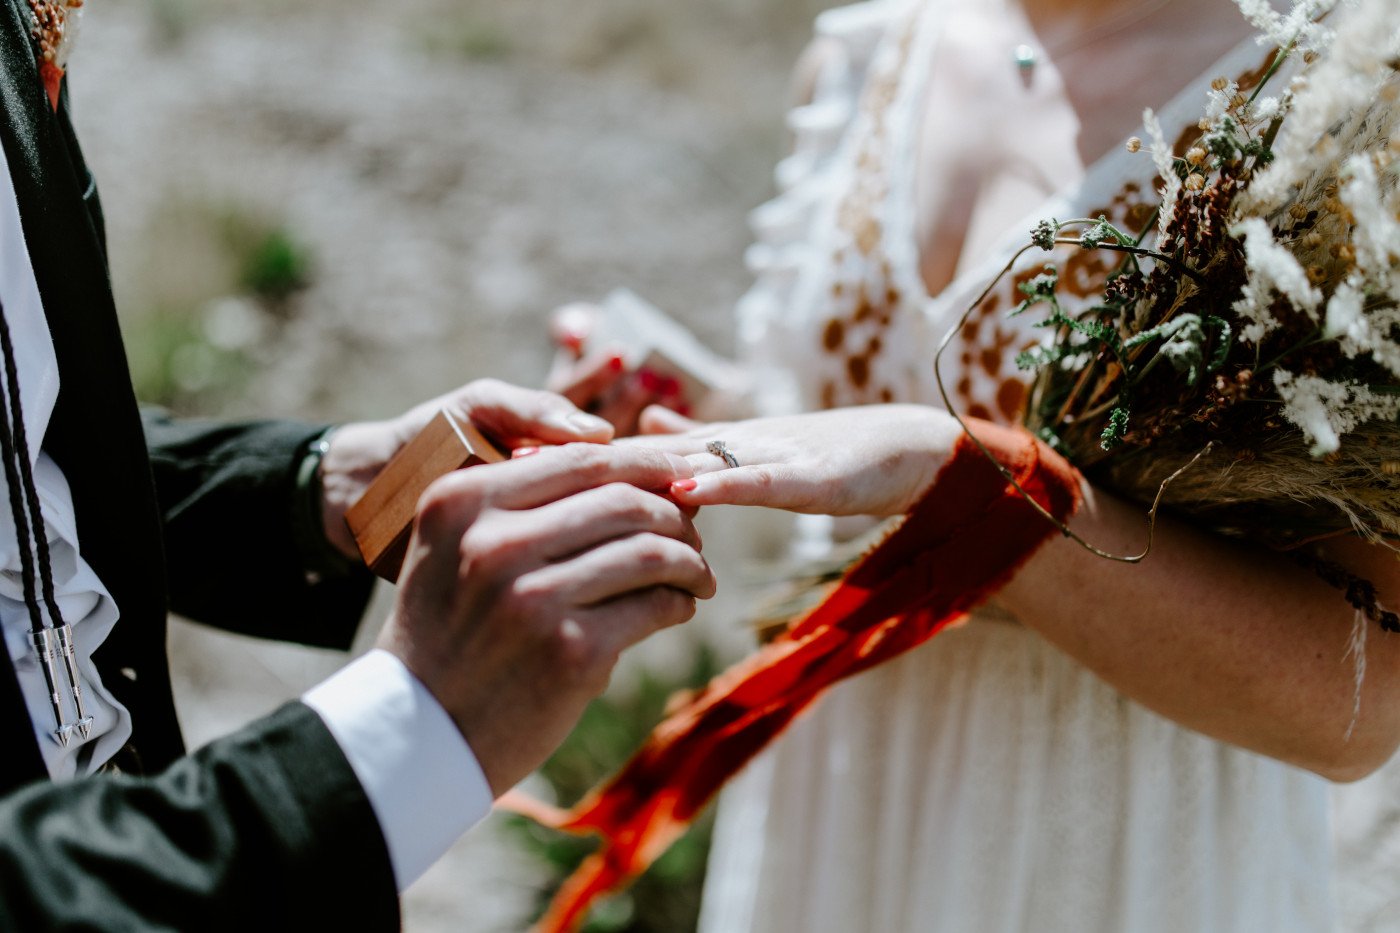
172	19
272	265
666	899
472	39
224	286
175	363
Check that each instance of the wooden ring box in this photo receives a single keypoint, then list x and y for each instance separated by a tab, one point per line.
382	520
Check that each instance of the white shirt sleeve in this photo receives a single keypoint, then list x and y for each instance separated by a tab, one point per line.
419	774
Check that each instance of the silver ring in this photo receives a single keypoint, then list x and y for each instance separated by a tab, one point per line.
719	450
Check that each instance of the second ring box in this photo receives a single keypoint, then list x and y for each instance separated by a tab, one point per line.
382	520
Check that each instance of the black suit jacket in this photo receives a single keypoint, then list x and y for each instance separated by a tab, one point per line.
267	828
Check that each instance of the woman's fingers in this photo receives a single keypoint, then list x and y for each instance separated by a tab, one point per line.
772	485
622	405
618	567
585	382
658	419
572	324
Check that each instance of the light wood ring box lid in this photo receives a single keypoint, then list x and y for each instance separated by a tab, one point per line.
382	520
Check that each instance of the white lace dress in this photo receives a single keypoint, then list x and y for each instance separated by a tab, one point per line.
985	782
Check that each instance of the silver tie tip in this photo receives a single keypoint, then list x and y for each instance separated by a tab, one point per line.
62	734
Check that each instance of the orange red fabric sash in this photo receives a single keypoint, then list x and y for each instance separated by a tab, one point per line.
958	546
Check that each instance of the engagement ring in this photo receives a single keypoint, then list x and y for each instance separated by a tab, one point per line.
719	450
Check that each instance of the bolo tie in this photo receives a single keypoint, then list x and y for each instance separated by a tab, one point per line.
51	638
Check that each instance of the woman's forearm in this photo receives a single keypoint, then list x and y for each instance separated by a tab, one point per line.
1230	639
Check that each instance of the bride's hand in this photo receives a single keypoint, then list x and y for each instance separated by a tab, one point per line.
871	460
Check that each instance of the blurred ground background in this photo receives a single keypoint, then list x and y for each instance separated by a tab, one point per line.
335	208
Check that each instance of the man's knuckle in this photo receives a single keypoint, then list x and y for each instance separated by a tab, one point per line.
569	651
649	552
488	548
440	504
672	606
592	463
629	503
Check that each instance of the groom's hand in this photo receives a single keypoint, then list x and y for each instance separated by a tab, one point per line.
508	414
523	582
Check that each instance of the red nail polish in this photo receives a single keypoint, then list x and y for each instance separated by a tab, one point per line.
683	410
669	386
615	364
649	380
683	485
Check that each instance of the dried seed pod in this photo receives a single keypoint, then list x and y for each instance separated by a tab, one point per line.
1220	83
1297	211
1195	155
1390	467
1134	144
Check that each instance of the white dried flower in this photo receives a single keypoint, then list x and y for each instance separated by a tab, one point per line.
1218	99
1335	103
1298	25
1269	267
1163	160
1324	410
1359	331
1375	232
1265	108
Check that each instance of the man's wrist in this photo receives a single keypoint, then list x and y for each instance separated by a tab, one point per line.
321	556
422	779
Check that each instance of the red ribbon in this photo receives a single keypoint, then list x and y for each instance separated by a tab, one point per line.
52	76
958	546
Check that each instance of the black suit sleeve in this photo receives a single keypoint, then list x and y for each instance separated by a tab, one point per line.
227	496
265	830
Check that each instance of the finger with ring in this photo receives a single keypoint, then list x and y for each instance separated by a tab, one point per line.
719	450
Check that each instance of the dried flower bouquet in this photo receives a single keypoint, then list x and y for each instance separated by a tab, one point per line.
1256	319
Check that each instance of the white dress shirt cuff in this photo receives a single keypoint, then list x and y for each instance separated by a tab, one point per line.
421	778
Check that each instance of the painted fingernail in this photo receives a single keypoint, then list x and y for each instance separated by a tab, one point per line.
649	380
683	410
669	386
615	363
683	485
519	452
